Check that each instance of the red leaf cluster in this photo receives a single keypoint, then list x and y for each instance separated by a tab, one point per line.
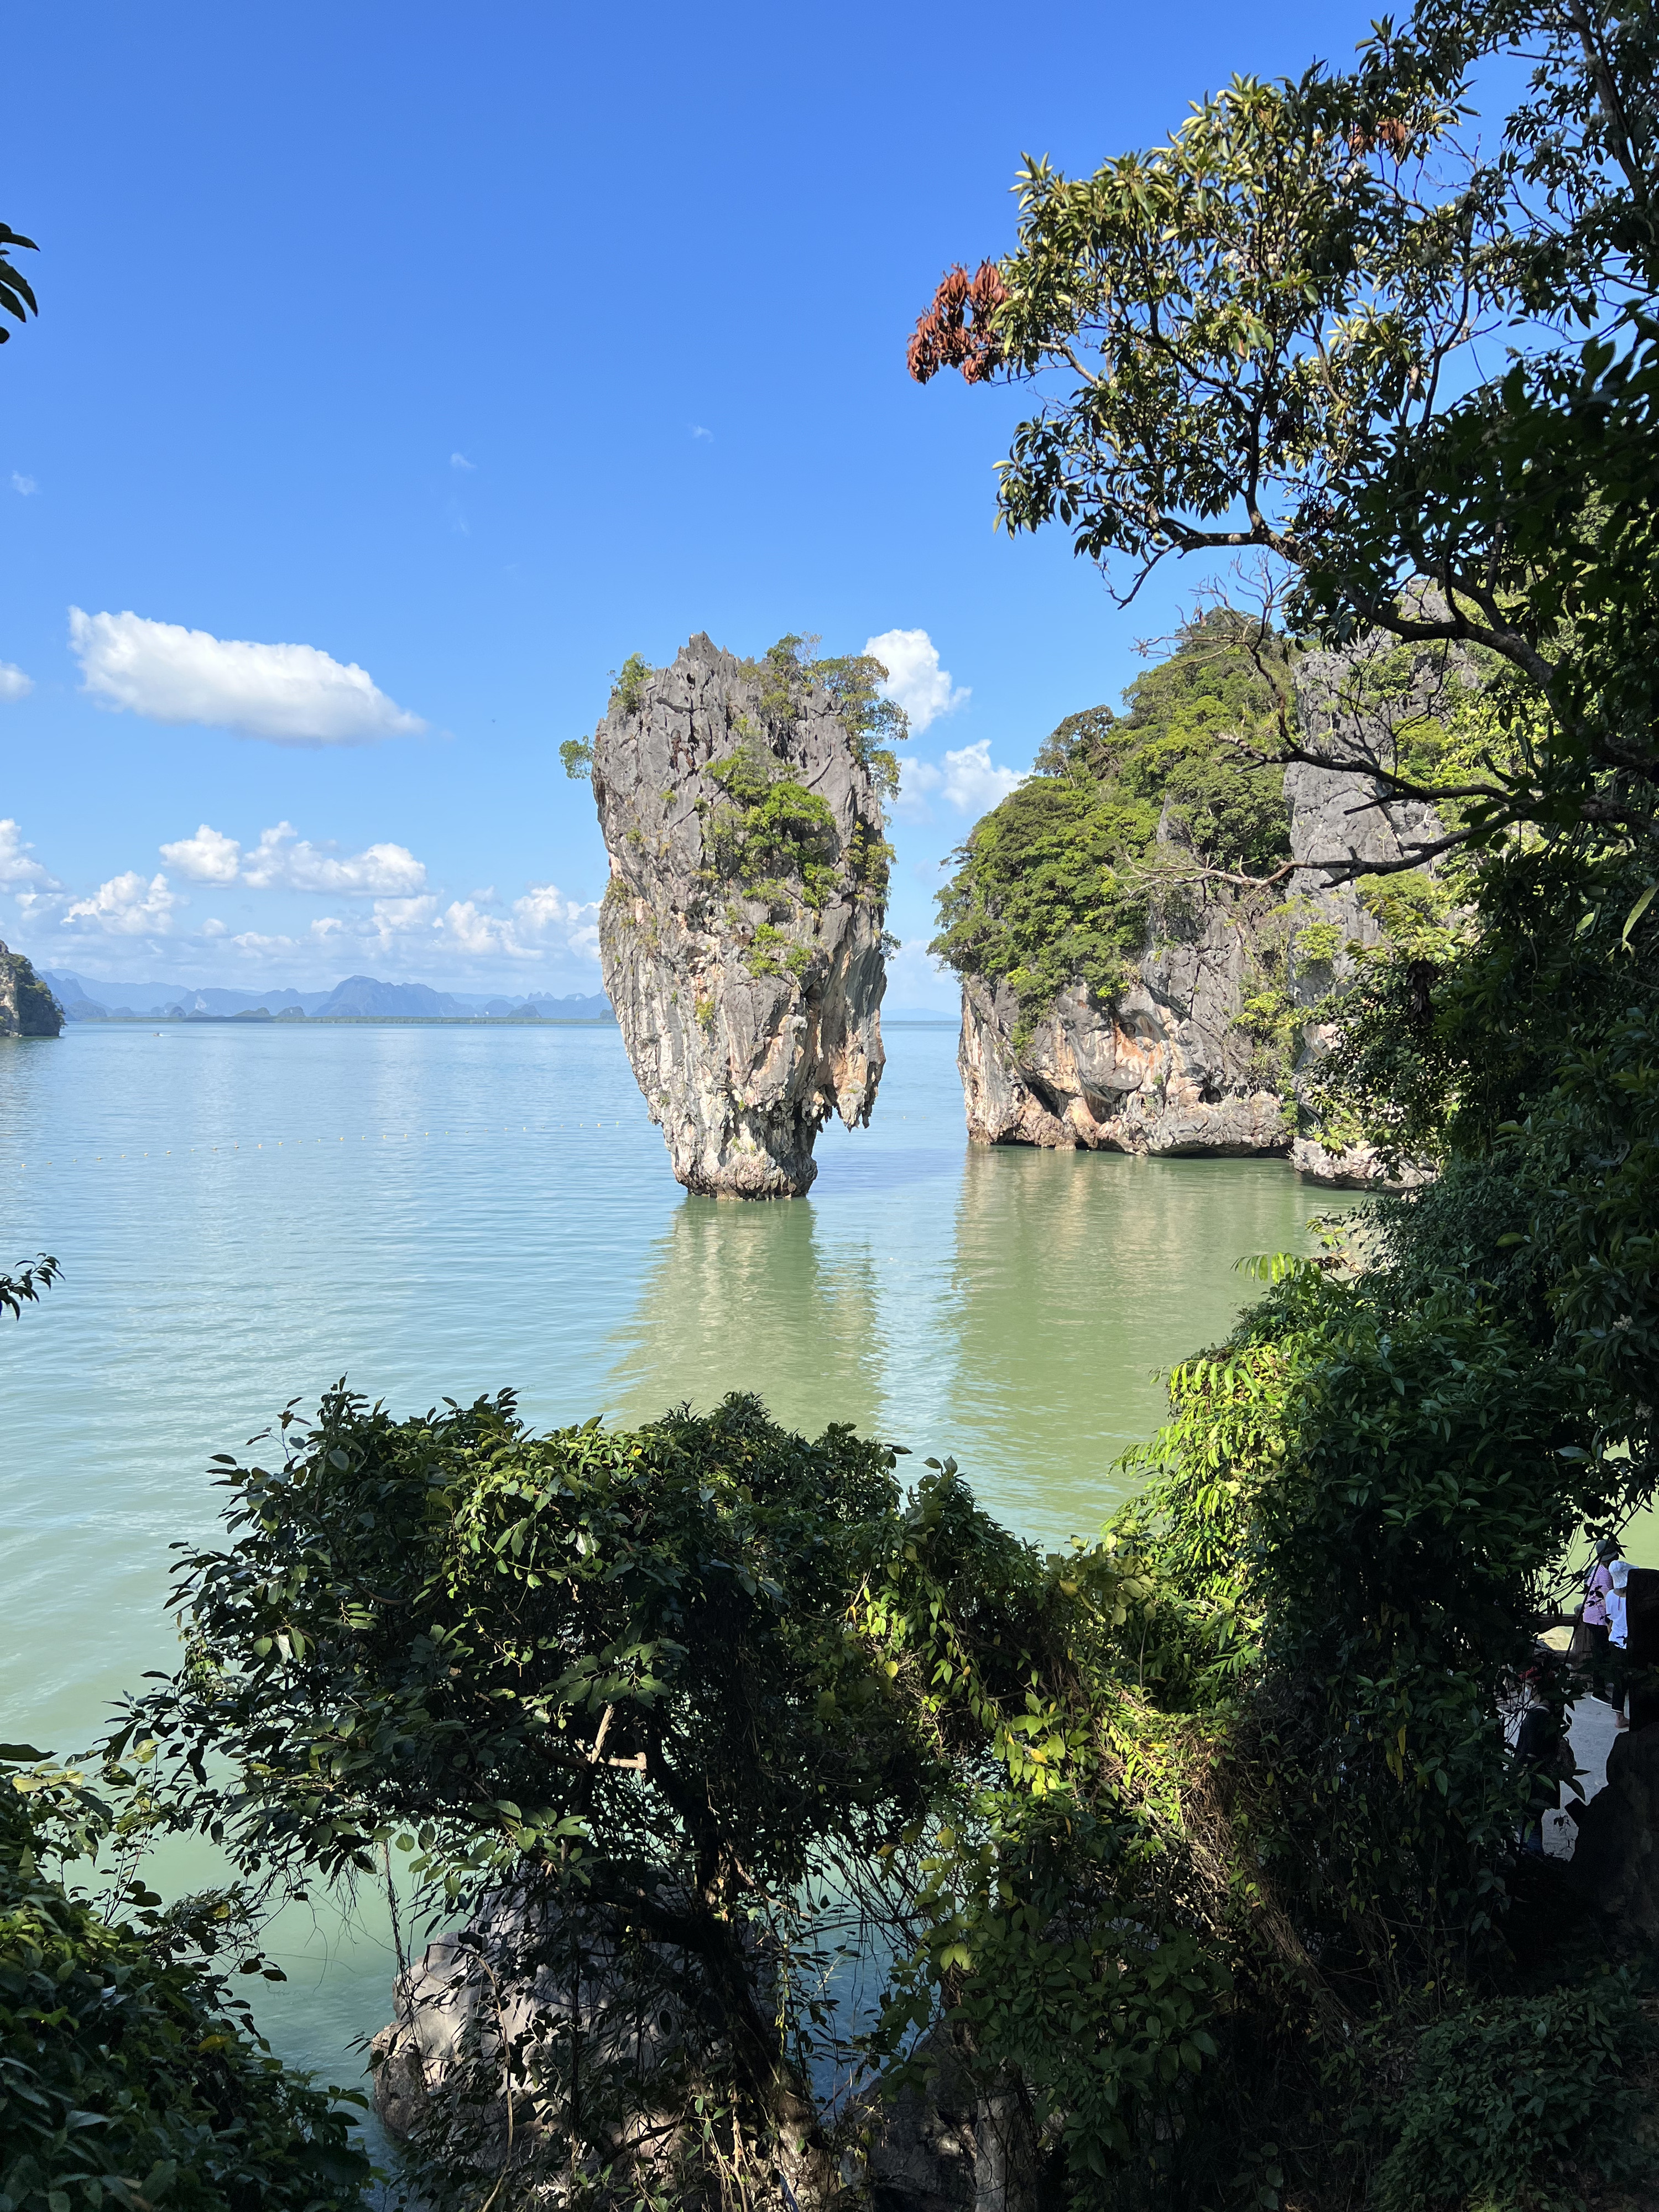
956	331
1390	133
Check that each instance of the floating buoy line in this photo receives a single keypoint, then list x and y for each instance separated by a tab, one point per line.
308	1146
302	1146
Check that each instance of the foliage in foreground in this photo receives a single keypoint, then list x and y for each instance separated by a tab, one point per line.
129	2074
1517	2100
1203	1835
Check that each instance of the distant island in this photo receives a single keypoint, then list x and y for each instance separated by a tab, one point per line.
357	998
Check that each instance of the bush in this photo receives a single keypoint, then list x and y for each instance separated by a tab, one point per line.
1511	2103
127	2073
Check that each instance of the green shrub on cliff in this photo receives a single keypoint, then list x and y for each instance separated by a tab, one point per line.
1060	883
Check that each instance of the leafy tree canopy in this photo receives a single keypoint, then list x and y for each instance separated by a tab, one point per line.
1058	884
1279	326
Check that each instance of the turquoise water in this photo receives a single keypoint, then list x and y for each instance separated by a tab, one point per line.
244	1215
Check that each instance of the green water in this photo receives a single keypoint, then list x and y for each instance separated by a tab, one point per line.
244	1215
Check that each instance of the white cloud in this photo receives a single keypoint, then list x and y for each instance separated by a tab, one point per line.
542	921
25	487
259	946
283	861
914	677
17	870
697	431
393	914
474	931
209	857
968	778
292	695
14	684
461	461
915	979
127	906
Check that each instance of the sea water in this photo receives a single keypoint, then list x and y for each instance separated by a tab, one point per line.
245	1213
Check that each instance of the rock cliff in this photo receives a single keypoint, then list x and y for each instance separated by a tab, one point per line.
1161	1068
1204	1044
27	1006
742	933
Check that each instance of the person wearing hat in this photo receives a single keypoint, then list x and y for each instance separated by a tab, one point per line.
1594	1635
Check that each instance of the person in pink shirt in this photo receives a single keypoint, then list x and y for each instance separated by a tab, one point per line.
1591	1645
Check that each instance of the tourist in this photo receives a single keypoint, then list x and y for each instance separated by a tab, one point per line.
1591	1636
1618	1637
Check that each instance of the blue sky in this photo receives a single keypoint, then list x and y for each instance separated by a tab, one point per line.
476	348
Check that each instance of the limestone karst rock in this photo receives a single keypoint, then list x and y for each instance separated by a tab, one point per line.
1161	1069
27	1008
1172	1063
742	933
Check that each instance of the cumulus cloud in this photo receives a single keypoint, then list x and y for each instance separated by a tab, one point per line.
292	695
542	921
968	778
461	461
25	487
255	942
14	684
18	871
283	861
127	906
698	431
206	857
914	677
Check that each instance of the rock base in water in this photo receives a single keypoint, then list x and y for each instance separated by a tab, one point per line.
1149	1073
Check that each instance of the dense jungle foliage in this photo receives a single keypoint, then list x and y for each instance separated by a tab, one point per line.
1065	879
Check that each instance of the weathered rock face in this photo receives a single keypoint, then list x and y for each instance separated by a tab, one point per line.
1166	1068
471	2001
27	1006
741	937
1163	1069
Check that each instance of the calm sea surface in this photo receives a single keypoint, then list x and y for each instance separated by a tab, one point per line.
245	1215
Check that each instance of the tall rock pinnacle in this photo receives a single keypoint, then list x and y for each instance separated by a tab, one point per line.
742	933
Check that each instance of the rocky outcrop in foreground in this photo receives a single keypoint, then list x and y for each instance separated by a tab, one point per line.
27	1006
741	936
469	2005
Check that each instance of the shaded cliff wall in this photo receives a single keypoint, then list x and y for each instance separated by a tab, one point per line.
27	1008
742	934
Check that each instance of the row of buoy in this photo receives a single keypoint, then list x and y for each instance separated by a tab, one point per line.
299	1143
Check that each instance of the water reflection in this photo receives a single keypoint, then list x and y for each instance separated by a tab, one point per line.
1019	1320
1077	1277
748	1297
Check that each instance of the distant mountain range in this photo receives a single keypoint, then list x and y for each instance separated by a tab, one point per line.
86	999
